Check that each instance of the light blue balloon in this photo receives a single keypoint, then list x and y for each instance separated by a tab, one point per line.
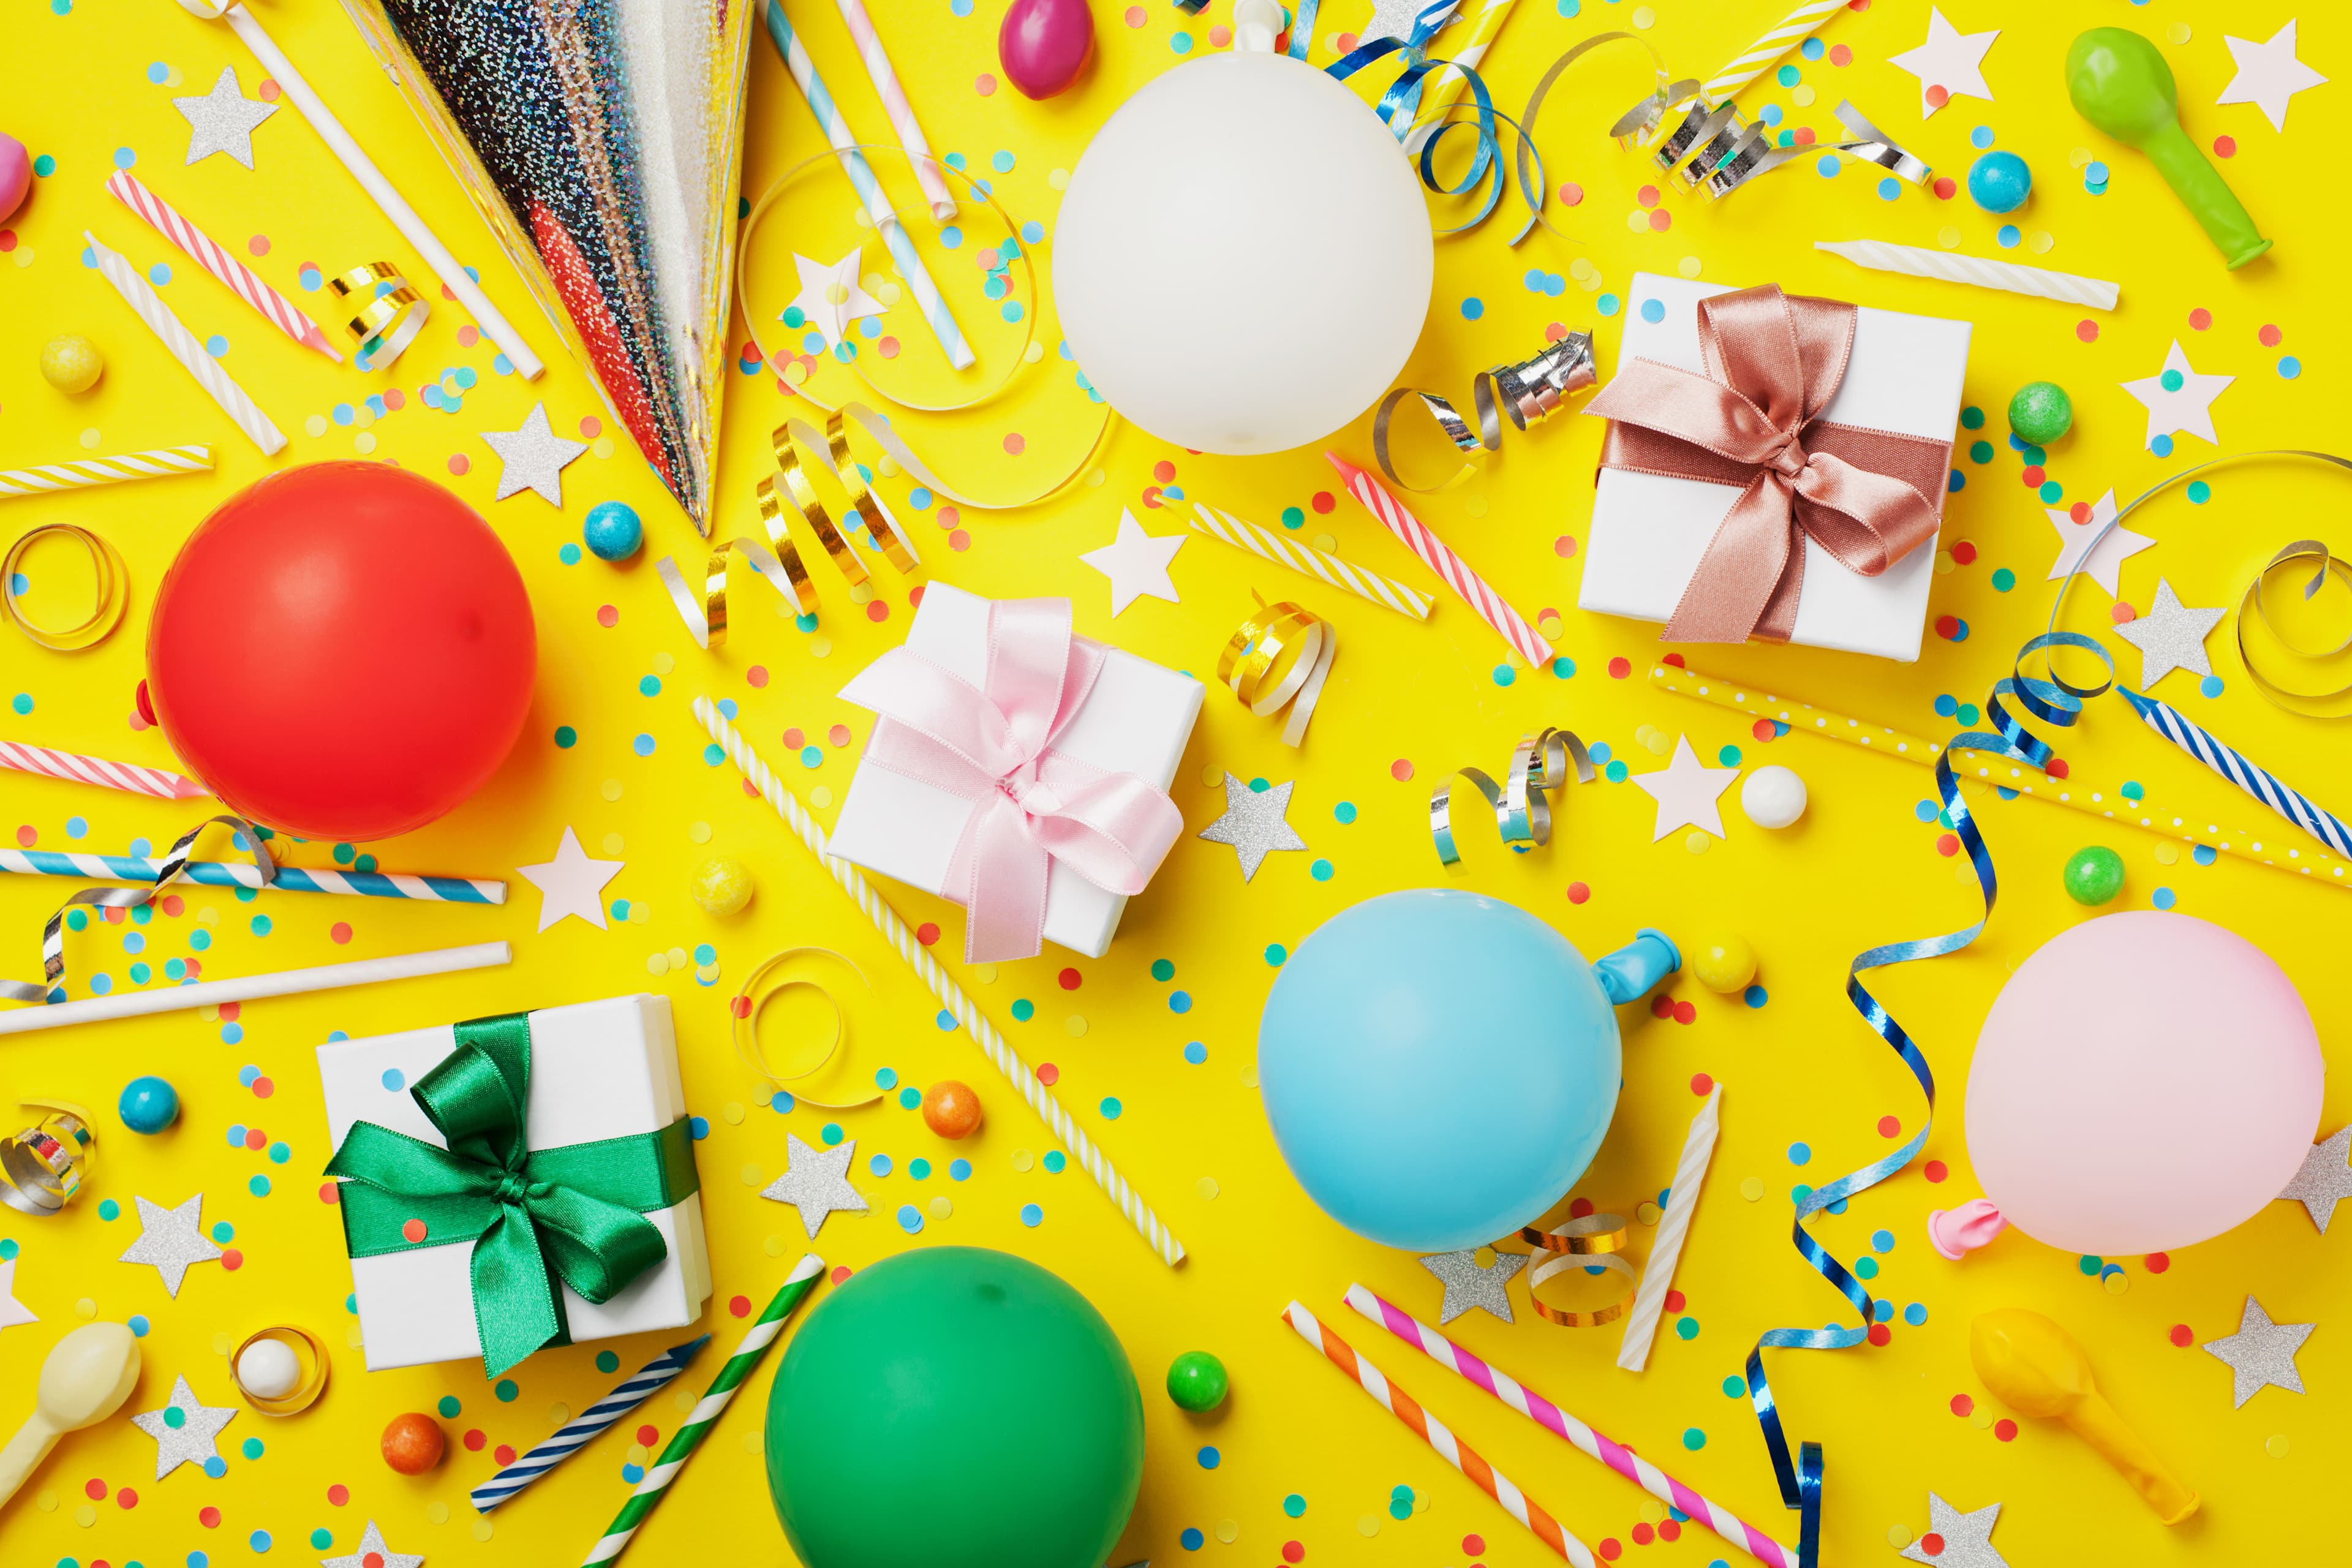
1439	1068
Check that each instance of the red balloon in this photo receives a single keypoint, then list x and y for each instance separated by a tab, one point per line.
342	651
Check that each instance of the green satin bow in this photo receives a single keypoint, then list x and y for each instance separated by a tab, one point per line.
574	1213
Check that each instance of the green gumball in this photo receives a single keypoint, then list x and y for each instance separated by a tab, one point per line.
2094	876
1196	1382
954	1405
2041	413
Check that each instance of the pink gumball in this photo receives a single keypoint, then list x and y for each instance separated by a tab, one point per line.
1043	44
15	175
2143	1082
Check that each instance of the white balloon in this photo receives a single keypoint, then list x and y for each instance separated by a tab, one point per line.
1243	258
1772	796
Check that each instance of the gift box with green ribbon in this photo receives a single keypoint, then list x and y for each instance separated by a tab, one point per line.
515	1182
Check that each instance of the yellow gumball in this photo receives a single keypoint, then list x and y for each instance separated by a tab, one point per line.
721	886
1723	964
71	362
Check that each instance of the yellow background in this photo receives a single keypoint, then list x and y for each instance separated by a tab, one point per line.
1861	867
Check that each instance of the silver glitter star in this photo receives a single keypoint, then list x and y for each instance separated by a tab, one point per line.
372	1552
1468	1286
189	1439
1961	1538
1252	823
2326	1179
532	456
171	1240
222	120
1394	18
817	1182
2170	636
2261	1353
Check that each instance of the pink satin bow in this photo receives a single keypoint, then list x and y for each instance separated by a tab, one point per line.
1773	363
1031	804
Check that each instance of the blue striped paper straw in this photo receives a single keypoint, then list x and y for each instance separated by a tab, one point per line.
869	189
576	1435
232	874
2297	808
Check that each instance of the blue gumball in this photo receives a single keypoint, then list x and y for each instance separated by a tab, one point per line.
613	531
148	1105
2000	182
1439	1068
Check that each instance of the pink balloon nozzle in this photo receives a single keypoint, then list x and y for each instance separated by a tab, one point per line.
1956	1232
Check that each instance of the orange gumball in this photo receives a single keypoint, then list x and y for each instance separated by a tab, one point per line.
412	1444
951	1109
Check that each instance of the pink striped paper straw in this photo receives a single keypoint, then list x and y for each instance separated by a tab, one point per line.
1456	1358
74	766
247	284
1508	623
902	112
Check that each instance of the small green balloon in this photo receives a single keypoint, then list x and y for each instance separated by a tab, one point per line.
954	1405
2120	84
2094	876
1196	1382
2041	413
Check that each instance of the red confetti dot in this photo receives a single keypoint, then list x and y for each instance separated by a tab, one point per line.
504	1454
1686	1013
2122	614
1049	1075
1611	1547
373	1560
1578	893
1293	1552
1962	1405
1946	188
1880	1333
607	617
232	1260
1946	626
2270	336
1619	668
341	930
2200	318
1572	194
2088	330
171	904
1137	16
1932	1544
1647	195
209	1517
263	1088
2005	1429
1765	729
339	1494
7	240
1662	1006
1889	1126
985	86
1964	553
2157	1262
1840	55
255	1138
1402	771
959	540
476	1439
756	676
1676	1300
795	738
1948	844
269	89
96	1489
459	463
27	836
2181	1335
1071	979
414	1229
2225	146
888	348
127	1498
1661	221
1643	1533
1669	1531
1936	1170
740	1006
2032	476
1015	442
1702	1084
1476	1545
2058	767
928	933
2080	512
330	1191
740	1306
647	1436
1322	501
1802	136
1163	470
877	610
1564	546
1220	35
841	1273
1579	1207
1937	96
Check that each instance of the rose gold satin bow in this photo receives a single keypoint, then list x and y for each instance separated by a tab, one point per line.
1773	363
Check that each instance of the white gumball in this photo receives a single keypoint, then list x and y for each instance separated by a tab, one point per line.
1772	797
267	1370
1243	258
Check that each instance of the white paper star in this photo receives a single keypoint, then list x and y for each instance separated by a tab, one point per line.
2179	399
816	301
1959	1540
571	884
1949	60
1255	822
222	120
2099	549
1395	18
1136	562
2170	636
2325	1179
1687	792
13	1311
2268	74
817	1182
189	1439
372	1552
171	1240
532	456
2261	1354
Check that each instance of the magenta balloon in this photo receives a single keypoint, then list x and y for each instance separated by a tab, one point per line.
2143	1082
1043	44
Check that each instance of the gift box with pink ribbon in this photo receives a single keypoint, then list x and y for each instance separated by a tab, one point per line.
1775	468
1017	769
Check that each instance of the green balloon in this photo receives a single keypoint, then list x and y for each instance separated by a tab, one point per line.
954	1405
2120	84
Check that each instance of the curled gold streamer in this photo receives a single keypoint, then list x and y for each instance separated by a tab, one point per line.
1529	390
1254	666
42	1166
112	583
1595	1241
750	1000
1521	803
390	314
2255	608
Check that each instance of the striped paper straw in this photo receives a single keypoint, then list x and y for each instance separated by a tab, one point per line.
942	986
2297	809
81	472
73	765
1753	61
1658	1272
686	1438
1483	29
166	220
231	874
184	348
575	1435
869	189
1457	1358
2010	277
1267	545
1433	1431
1508	623
902	112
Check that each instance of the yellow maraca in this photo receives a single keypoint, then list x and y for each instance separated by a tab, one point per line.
88	1375
2036	1368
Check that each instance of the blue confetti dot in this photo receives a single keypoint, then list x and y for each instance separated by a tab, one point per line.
2161	445
2162	898
1755	996
1827	166
2008	236
260	1538
1653	311
2212	685
1915	1314
2289	367
1210	1458
1032	1216
1799	1154
945	1019
911	1218
1195	1052
1473	307
216	345
1889	188
959	1169
643	745
881	1165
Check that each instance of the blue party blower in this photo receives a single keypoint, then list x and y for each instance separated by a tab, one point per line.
1439	1067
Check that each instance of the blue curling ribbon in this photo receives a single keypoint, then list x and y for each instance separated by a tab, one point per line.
1402	101
1302	23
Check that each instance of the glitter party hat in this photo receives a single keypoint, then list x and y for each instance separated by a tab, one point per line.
601	141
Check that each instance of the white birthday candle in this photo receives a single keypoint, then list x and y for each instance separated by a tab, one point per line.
216	382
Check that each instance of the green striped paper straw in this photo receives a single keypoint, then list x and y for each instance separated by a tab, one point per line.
689	1438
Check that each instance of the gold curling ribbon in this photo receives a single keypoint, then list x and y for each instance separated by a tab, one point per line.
42	1167
390	315
1597	1241
1521	803
1530	392
1280	655
750	1000
113	585
2254	609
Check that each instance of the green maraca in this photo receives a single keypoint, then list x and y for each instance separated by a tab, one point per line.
2120	84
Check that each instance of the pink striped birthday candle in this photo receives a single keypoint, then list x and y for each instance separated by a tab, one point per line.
247	284
74	766
1489	607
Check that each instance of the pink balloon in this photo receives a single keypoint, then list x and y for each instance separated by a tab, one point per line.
2143	1082
15	175
1043	44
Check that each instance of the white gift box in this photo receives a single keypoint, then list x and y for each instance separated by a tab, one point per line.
1648	531
1136	721
598	1070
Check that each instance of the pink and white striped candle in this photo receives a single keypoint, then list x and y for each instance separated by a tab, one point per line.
247	284
1458	1359
893	95
1381	502
73	765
